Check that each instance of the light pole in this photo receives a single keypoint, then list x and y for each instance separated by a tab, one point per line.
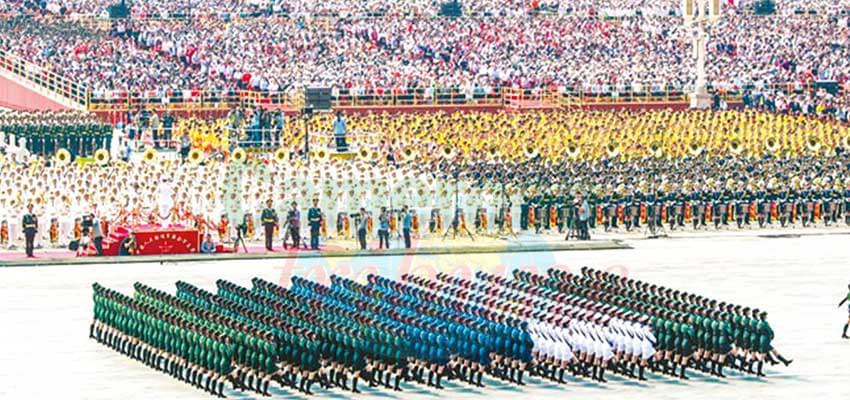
698	15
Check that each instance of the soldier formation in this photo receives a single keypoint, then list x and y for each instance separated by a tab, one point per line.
43	133
424	331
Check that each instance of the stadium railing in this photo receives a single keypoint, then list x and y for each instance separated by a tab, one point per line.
43	77
210	100
191	100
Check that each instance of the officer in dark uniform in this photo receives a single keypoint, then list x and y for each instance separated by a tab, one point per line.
697	208
314	218
269	221
762	200
742	199
630	211
719	208
30	224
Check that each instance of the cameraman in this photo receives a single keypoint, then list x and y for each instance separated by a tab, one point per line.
97	234
406	225
293	219
583	217
86	224
362	228
384	229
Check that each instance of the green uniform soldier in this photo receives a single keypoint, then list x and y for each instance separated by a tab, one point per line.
269	220
30	225
314	218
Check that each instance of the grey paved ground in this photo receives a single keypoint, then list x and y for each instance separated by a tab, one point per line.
45	314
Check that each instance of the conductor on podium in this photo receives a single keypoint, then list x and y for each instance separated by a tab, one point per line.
339	133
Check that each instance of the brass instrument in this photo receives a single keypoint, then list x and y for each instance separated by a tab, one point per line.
101	157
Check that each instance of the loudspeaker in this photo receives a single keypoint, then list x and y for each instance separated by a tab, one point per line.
831	87
119	10
764	7
451	9
319	98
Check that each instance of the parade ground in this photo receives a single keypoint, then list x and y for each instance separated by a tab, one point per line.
798	278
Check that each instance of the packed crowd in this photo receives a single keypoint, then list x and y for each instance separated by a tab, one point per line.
168	60
388	332
183	8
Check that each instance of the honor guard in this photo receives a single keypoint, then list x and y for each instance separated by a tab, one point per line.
269	220
314	218
30	224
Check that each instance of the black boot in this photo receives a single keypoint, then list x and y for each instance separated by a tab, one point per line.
478	379
519	377
640	373
844	334
682	373
354	385
602	375
439	378
397	381
760	366
783	360
342	380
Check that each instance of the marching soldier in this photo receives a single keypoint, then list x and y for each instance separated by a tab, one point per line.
269	220
314	218
30	224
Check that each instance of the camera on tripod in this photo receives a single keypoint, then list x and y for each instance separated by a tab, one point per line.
86	224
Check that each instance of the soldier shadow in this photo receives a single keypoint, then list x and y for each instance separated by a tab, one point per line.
416	389
377	392
667	380
708	379
619	380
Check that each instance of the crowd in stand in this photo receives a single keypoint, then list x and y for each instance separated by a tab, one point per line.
168	60
182	8
422	331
